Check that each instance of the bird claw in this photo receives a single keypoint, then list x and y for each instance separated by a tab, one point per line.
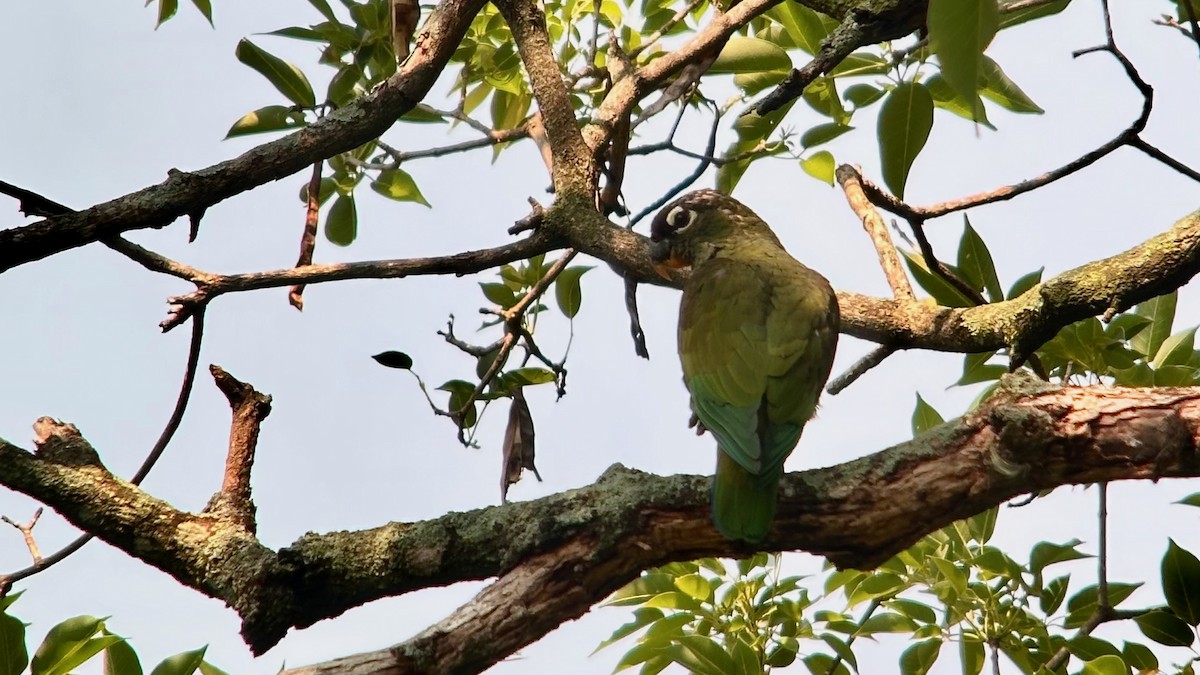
697	424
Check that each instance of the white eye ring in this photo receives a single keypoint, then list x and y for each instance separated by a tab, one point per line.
680	217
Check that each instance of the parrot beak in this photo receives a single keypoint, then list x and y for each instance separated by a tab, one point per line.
665	259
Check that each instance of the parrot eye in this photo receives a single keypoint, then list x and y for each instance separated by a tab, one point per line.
680	217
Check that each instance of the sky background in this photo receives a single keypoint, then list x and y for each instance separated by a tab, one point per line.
100	105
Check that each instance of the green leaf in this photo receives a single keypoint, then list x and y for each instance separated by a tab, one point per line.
823	133
1176	350
460	392
750	55
1110	664
499	294
1004	92
323	7
207	668
205	8
752	83
822	664
269	118
977	369
166	10
935	285
924	417
1165	628
67	645
919	658
1088	647
983	525
959	32
1053	594
971	656
862	95
946	98
328	187
567	292
1045	554
975	263
887	622
185	663
752	130
695	585
1037	11
1190	500
13	654
342	85
643	588
1181	582
1083	604
823	97
120	659
841	648
701	655
820	165
642	617
904	124
521	377
1161	312
1025	282
287	78
804	27
398	185
745	658
918	611
1139	656
341	223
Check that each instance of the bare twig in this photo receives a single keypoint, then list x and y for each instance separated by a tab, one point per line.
873	358
1129	137
705	162
308	239
848	177
250	408
26	530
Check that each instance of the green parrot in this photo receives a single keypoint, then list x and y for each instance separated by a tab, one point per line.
757	334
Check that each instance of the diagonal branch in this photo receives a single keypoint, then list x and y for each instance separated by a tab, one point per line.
191	192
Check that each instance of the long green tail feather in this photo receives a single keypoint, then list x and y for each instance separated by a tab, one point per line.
743	503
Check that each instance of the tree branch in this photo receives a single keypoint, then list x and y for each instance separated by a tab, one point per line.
562	553
191	192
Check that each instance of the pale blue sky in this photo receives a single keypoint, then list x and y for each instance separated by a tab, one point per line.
100	104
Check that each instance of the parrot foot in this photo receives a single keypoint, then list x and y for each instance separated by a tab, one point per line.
697	424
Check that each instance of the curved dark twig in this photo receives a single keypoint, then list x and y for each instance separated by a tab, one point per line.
160	446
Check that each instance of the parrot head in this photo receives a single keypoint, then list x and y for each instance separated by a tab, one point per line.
692	228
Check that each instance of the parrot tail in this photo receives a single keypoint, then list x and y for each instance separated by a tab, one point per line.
743	503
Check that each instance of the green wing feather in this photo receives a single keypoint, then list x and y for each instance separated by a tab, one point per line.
756	340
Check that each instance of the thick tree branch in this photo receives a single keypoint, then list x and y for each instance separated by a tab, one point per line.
574	168
191	192
562	553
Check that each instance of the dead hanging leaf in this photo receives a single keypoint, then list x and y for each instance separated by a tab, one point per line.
405	15
518	445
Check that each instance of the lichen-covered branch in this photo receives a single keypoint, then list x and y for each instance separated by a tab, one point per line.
1030	437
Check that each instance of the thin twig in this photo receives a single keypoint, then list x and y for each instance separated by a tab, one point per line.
850	180
705	162
1129	137
876	603
875	357
652	39
26	530
308	238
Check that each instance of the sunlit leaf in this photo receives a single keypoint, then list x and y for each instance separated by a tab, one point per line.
1161	312
397	184
288	79
820	165
975	263
750	55
13	654
185	663
268	118
1003	91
